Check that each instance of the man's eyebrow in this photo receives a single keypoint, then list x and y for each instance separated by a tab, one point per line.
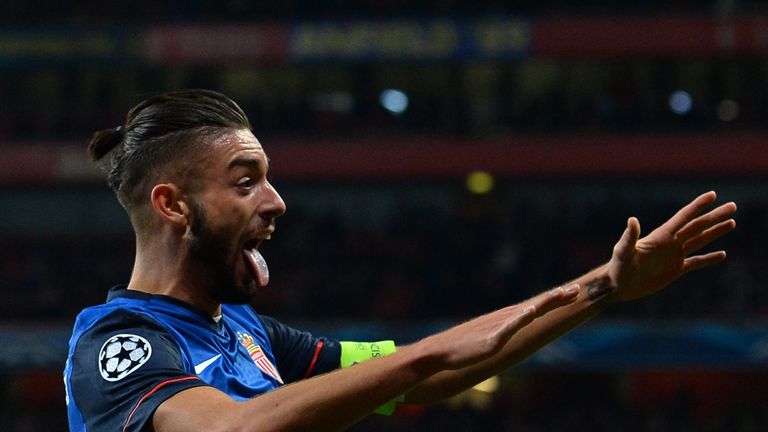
253	163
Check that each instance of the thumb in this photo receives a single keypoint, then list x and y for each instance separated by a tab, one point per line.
625	247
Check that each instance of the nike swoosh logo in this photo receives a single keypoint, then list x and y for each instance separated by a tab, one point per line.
201	367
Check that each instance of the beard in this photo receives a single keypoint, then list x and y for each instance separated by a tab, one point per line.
213	255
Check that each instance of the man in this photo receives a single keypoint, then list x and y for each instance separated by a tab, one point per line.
178	349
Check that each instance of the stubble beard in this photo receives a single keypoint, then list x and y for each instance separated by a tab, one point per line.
213	255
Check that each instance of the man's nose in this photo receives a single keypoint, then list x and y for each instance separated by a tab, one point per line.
272	205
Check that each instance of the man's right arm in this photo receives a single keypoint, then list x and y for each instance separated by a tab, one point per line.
336	400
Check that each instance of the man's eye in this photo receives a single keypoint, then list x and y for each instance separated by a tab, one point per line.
245	182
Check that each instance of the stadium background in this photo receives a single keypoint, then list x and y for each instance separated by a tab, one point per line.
571	115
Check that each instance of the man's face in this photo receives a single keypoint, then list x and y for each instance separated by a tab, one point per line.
232	212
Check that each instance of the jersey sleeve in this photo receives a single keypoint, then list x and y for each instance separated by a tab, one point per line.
121	370
298	354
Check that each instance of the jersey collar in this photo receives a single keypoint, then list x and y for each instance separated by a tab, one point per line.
122	291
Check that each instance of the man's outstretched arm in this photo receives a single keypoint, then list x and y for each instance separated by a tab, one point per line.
637	268
450	361
334	401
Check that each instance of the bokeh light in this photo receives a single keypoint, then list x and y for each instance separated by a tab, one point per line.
680	102
480	182
393	100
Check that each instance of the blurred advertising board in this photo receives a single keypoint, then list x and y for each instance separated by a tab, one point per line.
24	47
372	41
215	43
632	36
414	40
345	41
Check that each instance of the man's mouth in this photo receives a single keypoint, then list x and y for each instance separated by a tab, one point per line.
255	262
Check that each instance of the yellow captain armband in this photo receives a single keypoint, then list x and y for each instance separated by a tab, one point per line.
353	353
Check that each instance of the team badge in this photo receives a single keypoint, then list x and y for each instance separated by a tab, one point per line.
122	354
258	356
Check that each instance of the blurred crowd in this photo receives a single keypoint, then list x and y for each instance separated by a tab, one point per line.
549	402
450	100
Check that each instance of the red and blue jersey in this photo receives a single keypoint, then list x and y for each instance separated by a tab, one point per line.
135	351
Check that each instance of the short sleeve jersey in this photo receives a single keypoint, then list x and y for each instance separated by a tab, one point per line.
135	351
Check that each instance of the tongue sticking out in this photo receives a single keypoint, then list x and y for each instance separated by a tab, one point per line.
257	265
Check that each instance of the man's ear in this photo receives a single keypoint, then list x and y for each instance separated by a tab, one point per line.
169	203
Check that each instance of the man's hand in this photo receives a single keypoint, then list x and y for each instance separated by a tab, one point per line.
483	337
642	266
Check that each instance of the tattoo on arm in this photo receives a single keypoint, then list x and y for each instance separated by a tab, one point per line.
598	289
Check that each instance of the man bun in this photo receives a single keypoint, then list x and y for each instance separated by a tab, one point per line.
104	141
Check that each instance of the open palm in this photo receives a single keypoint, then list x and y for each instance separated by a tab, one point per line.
642	266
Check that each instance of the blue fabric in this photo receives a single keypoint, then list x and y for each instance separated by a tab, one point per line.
235	355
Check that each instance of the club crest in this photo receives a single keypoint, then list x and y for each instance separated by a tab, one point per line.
258	356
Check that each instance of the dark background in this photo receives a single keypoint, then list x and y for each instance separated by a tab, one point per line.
582	114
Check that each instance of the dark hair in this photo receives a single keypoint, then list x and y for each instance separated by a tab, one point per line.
157	131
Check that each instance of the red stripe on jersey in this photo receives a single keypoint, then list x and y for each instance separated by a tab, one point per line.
154	389
314	358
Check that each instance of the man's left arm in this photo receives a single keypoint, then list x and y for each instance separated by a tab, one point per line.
637	268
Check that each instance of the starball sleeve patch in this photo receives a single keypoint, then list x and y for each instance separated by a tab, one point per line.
122	354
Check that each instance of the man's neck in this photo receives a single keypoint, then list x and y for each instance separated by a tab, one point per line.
159	273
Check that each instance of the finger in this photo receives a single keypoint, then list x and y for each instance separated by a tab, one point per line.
701	261
514	324
706	221
625	247
687	213
708	236
537	307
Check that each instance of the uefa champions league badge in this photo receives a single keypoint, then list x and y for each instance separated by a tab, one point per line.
122	354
